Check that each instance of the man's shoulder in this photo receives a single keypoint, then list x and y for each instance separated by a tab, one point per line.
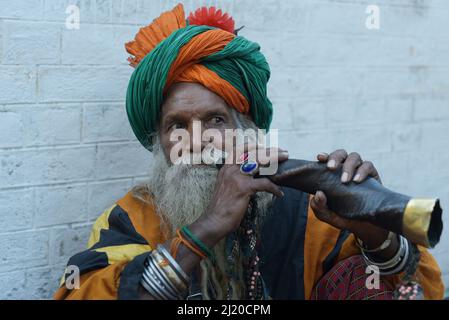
135	199
138	206
132	212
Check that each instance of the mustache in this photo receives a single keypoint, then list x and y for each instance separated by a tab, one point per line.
209	156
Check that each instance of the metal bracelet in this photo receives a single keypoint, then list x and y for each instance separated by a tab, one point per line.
389	263
396	263
181	286
172	288
150	283
176	267
383	246
168	287
401	265
163	277
155	283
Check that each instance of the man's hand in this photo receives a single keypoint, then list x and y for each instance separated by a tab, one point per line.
357	170
353	167
227	207
231	197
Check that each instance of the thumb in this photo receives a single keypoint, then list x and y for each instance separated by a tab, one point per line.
319	206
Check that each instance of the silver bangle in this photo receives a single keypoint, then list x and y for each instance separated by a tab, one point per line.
177	268
383	246
389	263
155	283
396	263
401	265
151	286
167	287
163	277
167	281
152	289
169	269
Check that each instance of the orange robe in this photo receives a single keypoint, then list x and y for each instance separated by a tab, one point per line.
122	236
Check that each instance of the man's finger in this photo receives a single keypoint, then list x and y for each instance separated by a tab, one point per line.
336	159
322	157
265	157
264	184
352	162
366	169
322	212
319	206
321	199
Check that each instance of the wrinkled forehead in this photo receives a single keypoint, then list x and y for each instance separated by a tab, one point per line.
192	97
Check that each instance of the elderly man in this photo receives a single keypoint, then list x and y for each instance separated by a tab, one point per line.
202	232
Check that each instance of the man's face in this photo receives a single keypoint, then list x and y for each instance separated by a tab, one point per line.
187	103
183	192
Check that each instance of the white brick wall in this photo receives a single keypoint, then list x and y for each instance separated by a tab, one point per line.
67	152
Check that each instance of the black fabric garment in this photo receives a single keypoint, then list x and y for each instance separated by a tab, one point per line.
130	278
282	245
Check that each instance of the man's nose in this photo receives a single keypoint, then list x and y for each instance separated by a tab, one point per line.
196	130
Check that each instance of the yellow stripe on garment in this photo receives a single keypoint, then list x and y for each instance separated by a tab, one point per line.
125	252
101	223
62	281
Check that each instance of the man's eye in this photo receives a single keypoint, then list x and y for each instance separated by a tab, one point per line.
217	120
177	125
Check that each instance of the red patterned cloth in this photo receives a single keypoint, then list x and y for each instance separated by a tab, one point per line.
347	281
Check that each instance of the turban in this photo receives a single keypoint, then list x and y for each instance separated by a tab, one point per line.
203	49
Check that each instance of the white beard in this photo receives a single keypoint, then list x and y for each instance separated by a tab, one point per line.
181	192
